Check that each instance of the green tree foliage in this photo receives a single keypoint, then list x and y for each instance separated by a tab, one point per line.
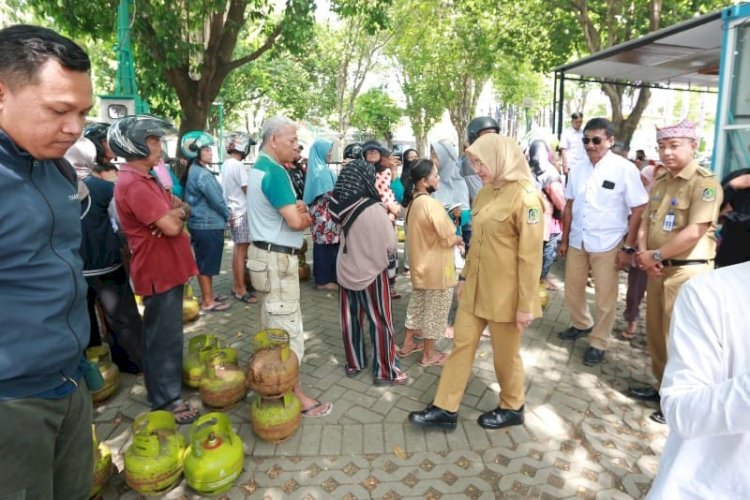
417	69
187	49
593	25
376	113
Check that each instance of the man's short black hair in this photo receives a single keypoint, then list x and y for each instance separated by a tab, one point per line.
24	49
576	115
600	124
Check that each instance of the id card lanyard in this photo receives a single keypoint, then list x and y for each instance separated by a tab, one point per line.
669	218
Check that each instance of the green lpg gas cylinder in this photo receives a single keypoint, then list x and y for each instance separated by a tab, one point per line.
195	360
223	383
101	356
103	467
153	463
215	457
276	420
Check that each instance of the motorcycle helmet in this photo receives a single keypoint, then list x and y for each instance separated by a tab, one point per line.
127	136
481	123
97	132
238	142
192	143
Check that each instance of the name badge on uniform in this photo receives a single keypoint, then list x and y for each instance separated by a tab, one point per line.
668	222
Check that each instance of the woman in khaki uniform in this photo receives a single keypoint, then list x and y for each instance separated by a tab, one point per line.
499	285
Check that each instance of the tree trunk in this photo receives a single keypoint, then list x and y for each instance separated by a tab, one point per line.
625	127
421	140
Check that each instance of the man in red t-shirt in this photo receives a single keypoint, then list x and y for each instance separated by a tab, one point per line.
162	261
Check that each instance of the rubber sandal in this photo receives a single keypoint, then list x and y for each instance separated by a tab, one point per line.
247	298
439	361
351	372
217	307
401	379
395	295
401	353
221	298
626	335
319	409
184	414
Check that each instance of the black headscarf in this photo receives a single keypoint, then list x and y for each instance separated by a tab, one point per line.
354	191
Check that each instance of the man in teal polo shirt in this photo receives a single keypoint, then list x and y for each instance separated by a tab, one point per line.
277	221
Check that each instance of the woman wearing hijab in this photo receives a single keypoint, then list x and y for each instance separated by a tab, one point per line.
367	242
499	285
325	231
208	216
403	188
431	238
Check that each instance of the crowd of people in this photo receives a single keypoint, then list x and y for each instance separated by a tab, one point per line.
482	229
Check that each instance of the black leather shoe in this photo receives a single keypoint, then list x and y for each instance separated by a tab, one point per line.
499	418
432	416
658	417
593	356
646	393
573	333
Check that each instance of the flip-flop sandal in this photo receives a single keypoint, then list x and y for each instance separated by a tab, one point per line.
401	379
319	409
247	298
401	353
217	307
184	414
351	372
626	335
440	361
221	298
395	295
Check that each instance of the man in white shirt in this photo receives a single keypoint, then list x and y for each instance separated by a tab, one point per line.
705	393
602	192
234	182
571	143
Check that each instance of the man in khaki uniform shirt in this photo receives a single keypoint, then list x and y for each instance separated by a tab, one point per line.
677	241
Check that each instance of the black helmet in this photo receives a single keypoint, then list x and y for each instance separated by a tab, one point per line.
353	151
481	123
127	136
97	132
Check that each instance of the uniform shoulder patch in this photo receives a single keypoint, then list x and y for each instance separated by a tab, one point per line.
708	194
534	215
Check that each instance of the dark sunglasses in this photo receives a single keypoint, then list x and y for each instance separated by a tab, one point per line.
595	140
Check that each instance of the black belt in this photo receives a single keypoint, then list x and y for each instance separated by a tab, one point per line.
270	247
677	263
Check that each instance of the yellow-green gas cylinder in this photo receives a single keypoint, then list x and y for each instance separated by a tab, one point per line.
101	356
543	294
191	308
103	467
223	382
194	364
153	463
215	457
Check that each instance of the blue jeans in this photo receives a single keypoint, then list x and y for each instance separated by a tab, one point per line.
162	347
550	253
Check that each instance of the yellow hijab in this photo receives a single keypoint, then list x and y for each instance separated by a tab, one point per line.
504	158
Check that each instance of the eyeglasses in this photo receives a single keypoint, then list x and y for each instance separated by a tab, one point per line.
595	140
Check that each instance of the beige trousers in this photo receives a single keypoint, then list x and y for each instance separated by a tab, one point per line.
603	266
275	276
661	294
506	347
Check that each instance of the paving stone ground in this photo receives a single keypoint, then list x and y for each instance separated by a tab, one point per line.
583	438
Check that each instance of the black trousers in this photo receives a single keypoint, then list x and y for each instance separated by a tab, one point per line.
118	303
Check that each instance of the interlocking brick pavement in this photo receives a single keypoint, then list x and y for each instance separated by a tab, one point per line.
583	437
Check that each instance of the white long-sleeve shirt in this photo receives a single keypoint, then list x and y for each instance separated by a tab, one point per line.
705	394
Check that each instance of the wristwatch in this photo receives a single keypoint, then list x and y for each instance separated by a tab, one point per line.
657	256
